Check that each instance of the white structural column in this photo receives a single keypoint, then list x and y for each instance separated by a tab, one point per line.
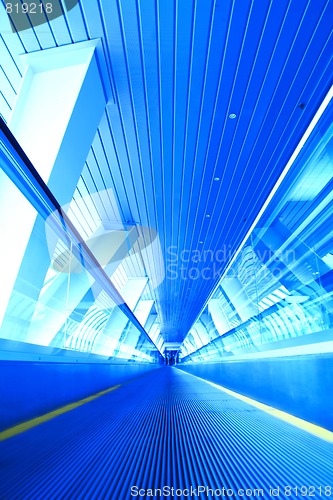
142	312
57	112
55	119
69	287
109	339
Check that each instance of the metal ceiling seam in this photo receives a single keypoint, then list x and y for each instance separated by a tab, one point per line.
5	99
140	153
75	24
103	182
92	200
105	49
111	214
199	121
14	27
84	20
98	144
203	220
193	165
257	140
124	162
130	265
235	245
49	22
108	20
144	82
101	177
78	223
82	197
62	36
128	75
210	135
218	93
44	35
10	55
96	190
202	232
266	74
202	100
133	270
22	36
290	87
173	127
193	312
249	81
105	140
156	221
128	192
276	147
5	107
15	73
166	39
93	20
161	162
189	80
137	270
174	120
91	16
166	72
128	165
257	102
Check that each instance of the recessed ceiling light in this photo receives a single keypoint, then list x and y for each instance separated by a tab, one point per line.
232	116
216	178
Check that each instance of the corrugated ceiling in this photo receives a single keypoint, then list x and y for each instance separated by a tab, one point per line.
178	70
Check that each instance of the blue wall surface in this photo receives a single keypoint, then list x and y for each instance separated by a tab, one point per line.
30	389
300	385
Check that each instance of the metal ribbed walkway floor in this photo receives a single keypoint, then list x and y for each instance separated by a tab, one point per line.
166	428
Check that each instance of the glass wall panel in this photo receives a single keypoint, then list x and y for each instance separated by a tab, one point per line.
54	291
278	292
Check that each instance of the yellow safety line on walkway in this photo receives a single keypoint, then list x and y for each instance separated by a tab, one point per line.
316	430
18	429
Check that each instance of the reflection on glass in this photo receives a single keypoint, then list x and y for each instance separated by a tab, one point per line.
53	293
